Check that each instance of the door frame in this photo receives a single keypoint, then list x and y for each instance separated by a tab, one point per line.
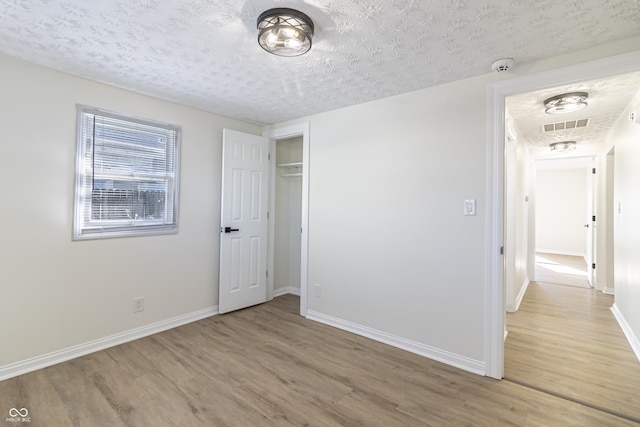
496	137
608	213
591	209
275	133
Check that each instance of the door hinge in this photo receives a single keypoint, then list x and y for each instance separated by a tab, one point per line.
267	273
269	156
501	250
593	218
593	171
267	215
593	266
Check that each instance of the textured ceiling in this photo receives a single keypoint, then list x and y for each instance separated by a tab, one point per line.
607	100
204	53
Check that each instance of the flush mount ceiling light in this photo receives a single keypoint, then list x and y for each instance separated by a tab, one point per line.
285	32
566	103
563	146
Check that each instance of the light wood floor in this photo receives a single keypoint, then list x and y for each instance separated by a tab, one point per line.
564	339
266	366
562	270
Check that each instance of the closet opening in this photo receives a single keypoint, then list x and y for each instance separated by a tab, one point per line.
287	215
288	249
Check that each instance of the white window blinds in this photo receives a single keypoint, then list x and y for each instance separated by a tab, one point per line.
126	178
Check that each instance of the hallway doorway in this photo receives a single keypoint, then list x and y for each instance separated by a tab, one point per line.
495	318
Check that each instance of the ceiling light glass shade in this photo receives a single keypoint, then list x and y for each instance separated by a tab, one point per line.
285	32
563	146
566	103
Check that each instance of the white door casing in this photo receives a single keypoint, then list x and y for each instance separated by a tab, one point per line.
284	132
590	224
243	220
496	94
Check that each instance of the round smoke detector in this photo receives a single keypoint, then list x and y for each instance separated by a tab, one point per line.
502	65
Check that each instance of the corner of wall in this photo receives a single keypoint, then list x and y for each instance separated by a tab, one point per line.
452	359
628	332
53	358
523	289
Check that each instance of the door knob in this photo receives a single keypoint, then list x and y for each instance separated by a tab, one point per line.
229	229
586	226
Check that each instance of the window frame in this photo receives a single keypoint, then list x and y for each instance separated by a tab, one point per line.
83	226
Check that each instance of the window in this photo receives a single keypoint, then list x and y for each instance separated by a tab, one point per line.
126	176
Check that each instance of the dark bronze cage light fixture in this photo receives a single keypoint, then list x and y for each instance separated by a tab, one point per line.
566	103
285	32
563	146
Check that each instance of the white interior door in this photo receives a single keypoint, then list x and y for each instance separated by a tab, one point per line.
243	221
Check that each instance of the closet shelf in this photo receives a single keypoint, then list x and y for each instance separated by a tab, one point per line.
290	165
294	167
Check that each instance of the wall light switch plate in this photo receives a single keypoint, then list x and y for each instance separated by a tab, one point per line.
470	207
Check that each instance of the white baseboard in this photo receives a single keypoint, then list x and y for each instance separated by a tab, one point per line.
628	332
523	290
608	291
286	290
518	300
39	362
456	360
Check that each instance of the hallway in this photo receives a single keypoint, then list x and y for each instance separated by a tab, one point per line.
564	340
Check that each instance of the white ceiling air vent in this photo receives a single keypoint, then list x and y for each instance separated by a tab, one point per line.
570	124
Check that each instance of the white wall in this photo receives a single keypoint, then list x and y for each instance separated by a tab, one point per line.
605	250
519	220
510	191
389	244
59	293
561	210
626	138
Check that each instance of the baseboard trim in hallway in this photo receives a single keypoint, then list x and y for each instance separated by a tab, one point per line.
574	400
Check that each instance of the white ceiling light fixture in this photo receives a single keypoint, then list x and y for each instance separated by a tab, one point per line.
285	32
566	103
562	146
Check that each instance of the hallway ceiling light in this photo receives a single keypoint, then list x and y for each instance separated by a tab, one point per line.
566	103
563	146
285	32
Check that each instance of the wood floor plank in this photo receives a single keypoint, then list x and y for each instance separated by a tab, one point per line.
267	366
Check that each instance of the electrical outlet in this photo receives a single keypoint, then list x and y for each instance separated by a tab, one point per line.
138	304
316	291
